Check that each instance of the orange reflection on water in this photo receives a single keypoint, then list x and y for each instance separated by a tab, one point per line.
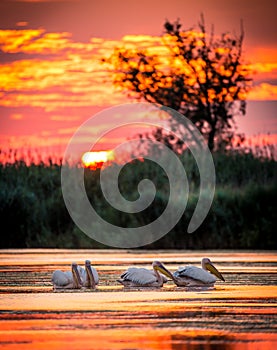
122	300
238	314
134	338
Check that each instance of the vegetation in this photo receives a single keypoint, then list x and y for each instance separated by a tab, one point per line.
243	214
201	76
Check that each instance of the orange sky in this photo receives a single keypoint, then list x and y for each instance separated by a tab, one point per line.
51	78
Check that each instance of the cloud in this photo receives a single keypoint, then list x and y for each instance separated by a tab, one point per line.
72	76
64	79
14	40
16	116
263	92
68	73
22	24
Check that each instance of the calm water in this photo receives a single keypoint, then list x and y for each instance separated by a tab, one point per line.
238	314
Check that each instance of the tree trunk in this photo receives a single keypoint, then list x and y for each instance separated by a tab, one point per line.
211	138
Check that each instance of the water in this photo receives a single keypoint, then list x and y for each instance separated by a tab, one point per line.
238	314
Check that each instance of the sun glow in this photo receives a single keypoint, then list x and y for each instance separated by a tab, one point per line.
95	159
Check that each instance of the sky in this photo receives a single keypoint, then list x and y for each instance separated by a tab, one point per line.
51	78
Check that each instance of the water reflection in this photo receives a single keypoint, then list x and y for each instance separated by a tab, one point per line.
238	314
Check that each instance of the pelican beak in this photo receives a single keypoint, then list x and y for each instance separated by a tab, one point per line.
90	274
76	276
161	268
214	271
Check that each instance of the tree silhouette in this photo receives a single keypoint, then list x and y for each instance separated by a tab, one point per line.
201	76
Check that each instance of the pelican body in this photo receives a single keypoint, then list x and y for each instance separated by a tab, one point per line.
192	276
141	277
77	278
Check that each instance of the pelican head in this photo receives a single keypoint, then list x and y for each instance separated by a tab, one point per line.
207	265
77	283
90	277
158	266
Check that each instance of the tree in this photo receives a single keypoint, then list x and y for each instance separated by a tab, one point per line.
202	77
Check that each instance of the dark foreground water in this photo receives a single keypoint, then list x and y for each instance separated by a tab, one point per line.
238	314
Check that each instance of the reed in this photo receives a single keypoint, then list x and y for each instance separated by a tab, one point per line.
33	212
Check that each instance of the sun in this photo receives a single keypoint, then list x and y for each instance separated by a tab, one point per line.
96	159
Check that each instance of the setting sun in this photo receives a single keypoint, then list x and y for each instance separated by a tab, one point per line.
96	159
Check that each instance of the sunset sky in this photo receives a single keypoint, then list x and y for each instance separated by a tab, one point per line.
52	79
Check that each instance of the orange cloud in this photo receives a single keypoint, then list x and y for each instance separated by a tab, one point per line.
259	67
262	54
73	76
16	116
13	40
263	92
32	41
22	24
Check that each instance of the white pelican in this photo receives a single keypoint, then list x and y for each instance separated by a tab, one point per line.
76	278
67	280
192	276
89	275
141	277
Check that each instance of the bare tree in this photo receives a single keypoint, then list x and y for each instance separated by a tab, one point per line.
203	77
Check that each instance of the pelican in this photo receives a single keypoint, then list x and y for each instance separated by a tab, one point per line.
192	276
67	280
141	277
76	278
89	275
